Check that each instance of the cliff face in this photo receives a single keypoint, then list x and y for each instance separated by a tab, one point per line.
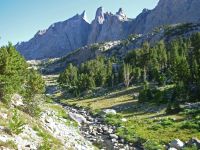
59	39
108	26
63	37
165	13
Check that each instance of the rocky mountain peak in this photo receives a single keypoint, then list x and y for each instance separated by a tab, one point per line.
100	15
84	16
63	37
121	15
120	12
41	32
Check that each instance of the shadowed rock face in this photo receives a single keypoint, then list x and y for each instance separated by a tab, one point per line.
165	13
63	37
59	39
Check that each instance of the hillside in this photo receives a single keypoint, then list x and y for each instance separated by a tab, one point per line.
119	48
150	90
29	120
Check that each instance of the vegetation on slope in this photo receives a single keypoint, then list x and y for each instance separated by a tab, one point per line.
16	78
167	75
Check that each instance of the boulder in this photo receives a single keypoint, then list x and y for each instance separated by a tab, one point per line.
178	144
194	141
2	128
172	148
17	100
3	115
123	119
78	118
114	140
105	128
49	120
4	138
110	130
113	136
109	111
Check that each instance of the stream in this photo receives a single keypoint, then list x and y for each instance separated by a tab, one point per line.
92	128
95	130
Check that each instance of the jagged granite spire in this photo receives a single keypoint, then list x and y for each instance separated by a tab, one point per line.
120	12
99	15
84	16
121	15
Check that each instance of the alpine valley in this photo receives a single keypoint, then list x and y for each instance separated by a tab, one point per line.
115	83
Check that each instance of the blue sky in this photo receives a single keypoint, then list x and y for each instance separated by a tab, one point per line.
21	19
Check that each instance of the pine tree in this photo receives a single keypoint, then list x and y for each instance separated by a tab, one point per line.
34	90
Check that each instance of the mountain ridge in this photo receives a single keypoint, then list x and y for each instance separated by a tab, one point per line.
63	37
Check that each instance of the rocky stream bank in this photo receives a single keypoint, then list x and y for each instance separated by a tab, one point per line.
94	129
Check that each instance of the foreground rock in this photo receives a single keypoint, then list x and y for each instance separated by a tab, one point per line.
56	126
68	135
178	144
27	140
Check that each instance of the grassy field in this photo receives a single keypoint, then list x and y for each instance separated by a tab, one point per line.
146	121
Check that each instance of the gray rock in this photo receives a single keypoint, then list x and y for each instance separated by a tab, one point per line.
178	144
17	100
171	148
59	39
109	111
108	26
114	140
167	12
113	136
3	115
80	119
110	131
105	128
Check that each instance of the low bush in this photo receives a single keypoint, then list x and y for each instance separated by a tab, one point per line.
152	145
128	134
16	125
113	119
166	122
155	127
190	125
193	147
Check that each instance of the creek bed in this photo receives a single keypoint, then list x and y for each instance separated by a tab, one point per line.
95	130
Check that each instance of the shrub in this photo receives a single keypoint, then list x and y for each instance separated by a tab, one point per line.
151	95
113	119
128	134
193	147
16	125
190	125
145	95
152	145
155	127
45	144
167	122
